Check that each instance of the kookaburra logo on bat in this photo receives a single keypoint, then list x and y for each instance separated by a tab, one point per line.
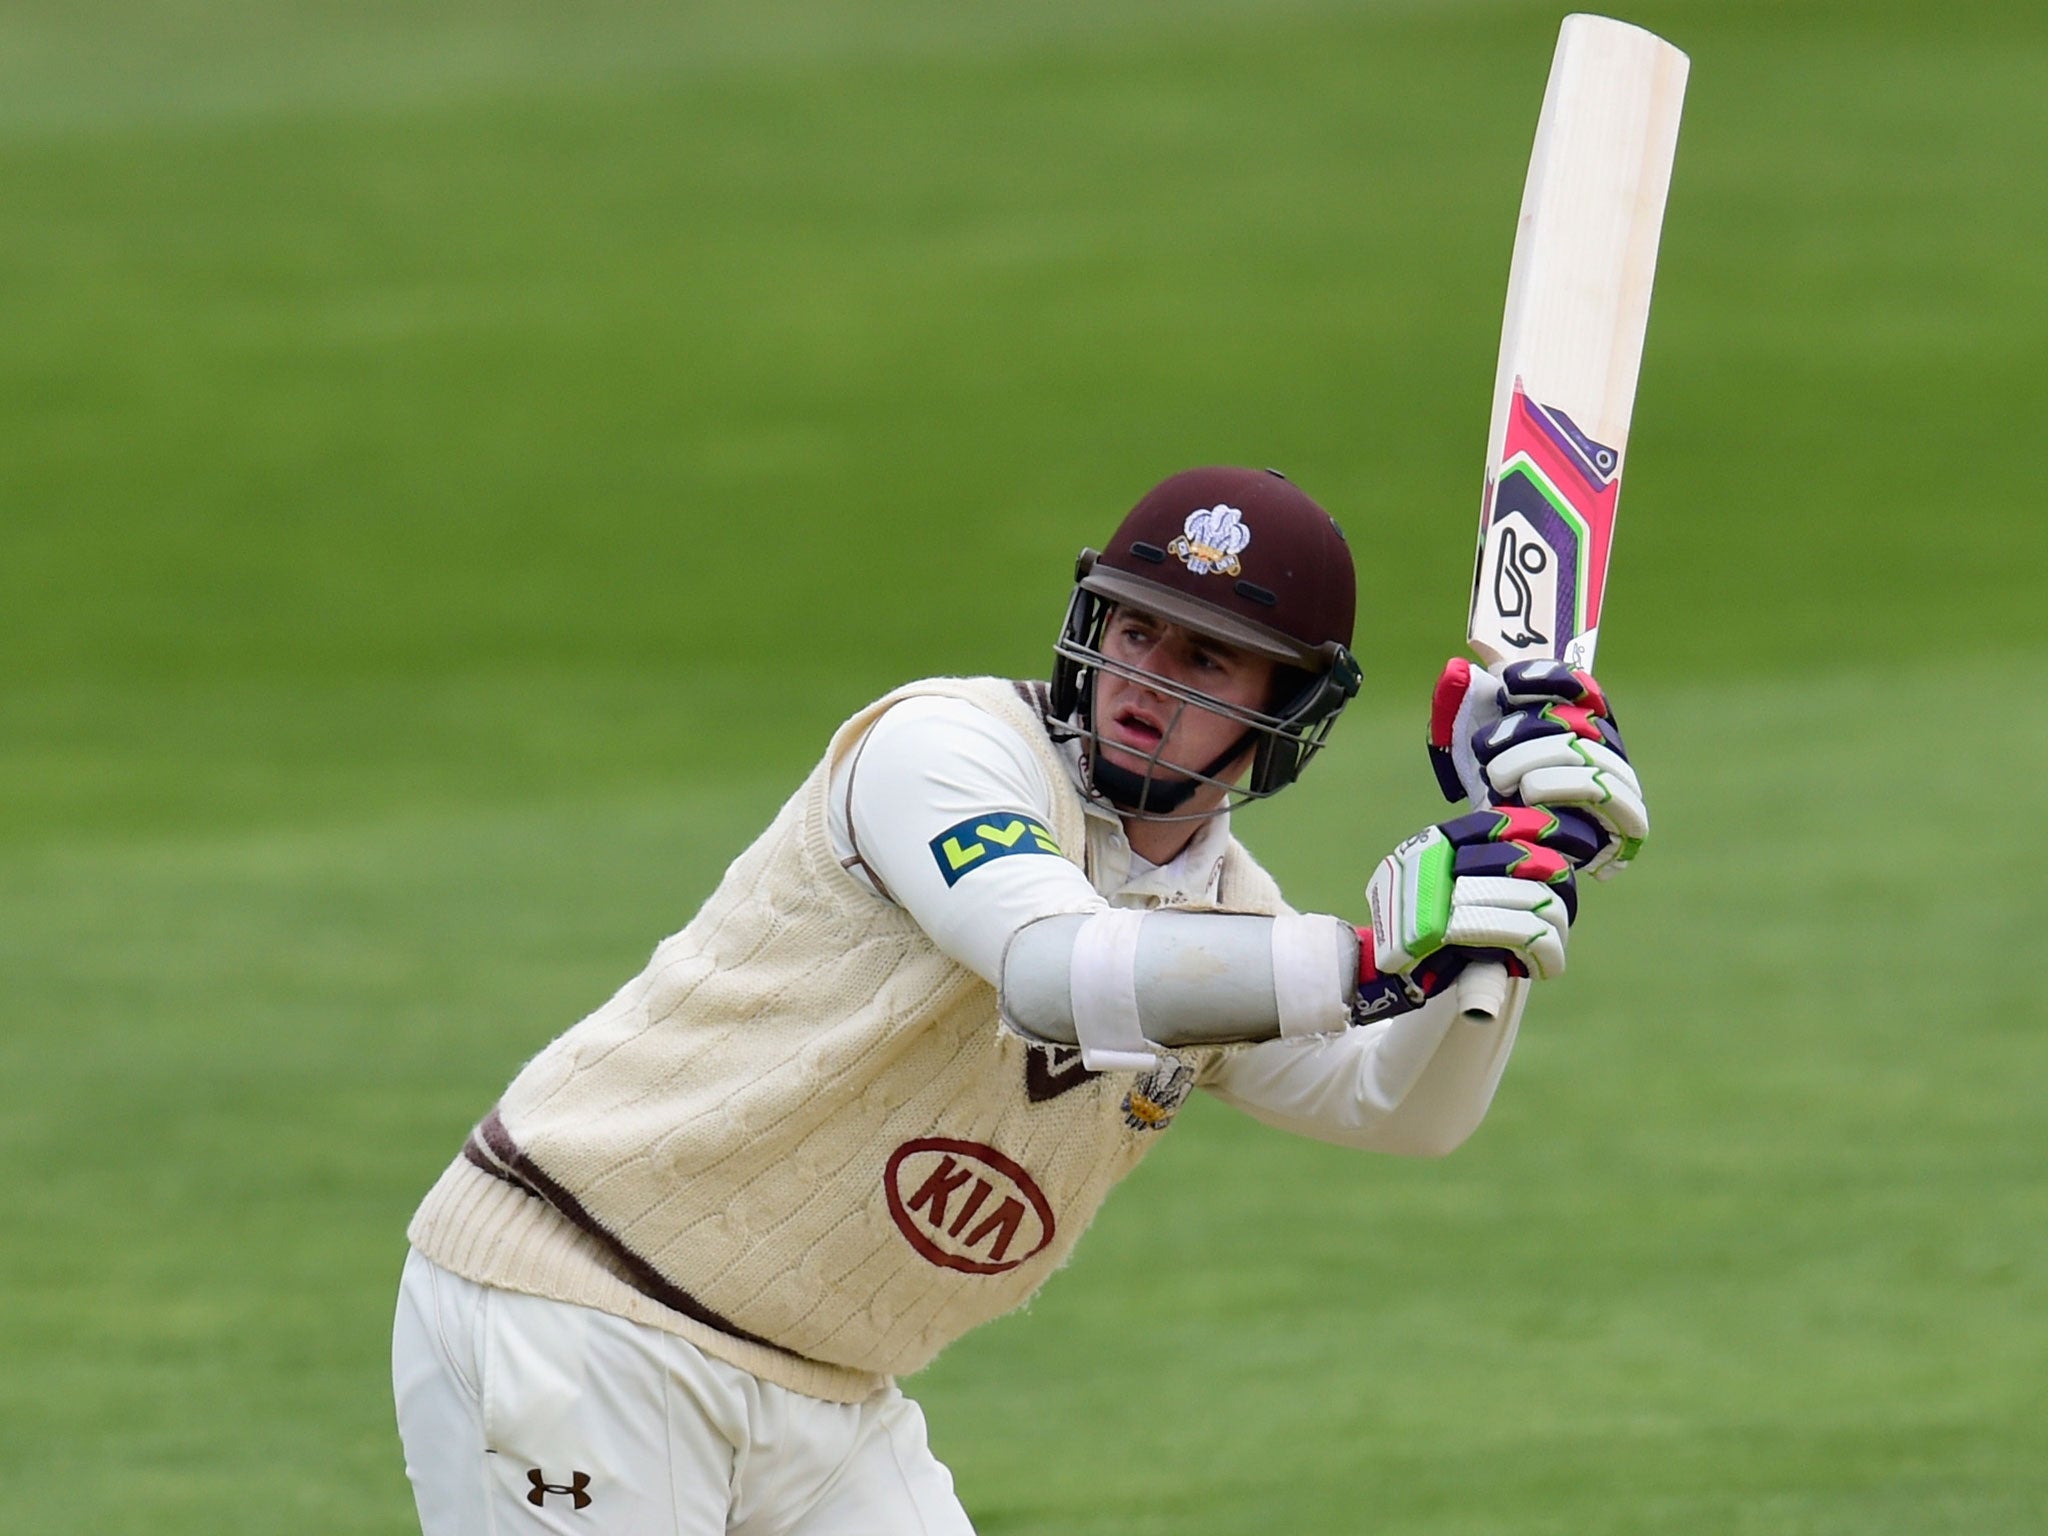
1521	560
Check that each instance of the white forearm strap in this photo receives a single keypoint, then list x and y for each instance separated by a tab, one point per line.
1309	951
1120	983
1102	981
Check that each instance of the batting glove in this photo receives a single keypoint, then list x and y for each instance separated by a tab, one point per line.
1538	734
1490	885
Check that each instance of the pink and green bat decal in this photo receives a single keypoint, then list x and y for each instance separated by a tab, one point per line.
1545	537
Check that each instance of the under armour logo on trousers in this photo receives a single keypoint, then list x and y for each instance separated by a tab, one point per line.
576	1488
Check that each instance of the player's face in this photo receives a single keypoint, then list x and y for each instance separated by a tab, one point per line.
1137	723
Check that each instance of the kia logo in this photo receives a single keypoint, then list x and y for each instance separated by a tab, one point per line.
965	1206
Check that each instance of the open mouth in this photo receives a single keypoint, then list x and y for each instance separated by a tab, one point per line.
1134	728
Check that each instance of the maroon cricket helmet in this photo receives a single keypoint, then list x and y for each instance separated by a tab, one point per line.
1242	556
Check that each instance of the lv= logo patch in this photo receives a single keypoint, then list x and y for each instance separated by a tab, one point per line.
981	840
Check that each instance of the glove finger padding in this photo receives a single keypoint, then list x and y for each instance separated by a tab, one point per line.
1462	887
1544	722
1530	921
1523	683
1516	829
1555	771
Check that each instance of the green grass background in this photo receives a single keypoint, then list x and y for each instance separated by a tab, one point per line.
457	461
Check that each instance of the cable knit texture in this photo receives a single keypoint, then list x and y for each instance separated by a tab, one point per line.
800	1137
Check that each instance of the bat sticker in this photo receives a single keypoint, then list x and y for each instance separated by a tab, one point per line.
1548	533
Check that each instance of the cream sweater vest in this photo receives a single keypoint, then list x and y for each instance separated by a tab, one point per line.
800	1138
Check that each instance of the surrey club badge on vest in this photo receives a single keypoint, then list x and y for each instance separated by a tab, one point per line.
1156	1097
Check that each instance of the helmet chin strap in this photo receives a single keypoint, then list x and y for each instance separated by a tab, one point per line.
1140	794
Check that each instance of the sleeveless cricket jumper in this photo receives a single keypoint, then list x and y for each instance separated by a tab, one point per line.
801	1138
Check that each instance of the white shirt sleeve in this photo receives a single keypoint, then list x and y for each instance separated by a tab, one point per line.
1417	1085
950	811
934	768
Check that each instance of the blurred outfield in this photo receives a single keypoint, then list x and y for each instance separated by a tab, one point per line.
457	462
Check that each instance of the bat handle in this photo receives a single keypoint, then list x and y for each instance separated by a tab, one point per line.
1482	992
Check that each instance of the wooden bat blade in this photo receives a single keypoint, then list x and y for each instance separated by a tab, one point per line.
1572	340
1570	347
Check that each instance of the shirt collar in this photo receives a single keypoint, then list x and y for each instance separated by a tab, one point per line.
1195	874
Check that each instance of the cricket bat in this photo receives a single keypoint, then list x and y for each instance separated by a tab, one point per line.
1570	347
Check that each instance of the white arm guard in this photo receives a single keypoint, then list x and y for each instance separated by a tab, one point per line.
1117	982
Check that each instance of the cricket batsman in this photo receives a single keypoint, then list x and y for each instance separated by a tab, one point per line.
872	1094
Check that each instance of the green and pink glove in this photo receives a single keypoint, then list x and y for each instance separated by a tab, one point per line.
1488	885
1539	734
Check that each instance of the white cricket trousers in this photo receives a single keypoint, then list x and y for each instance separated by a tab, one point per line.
522	1416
